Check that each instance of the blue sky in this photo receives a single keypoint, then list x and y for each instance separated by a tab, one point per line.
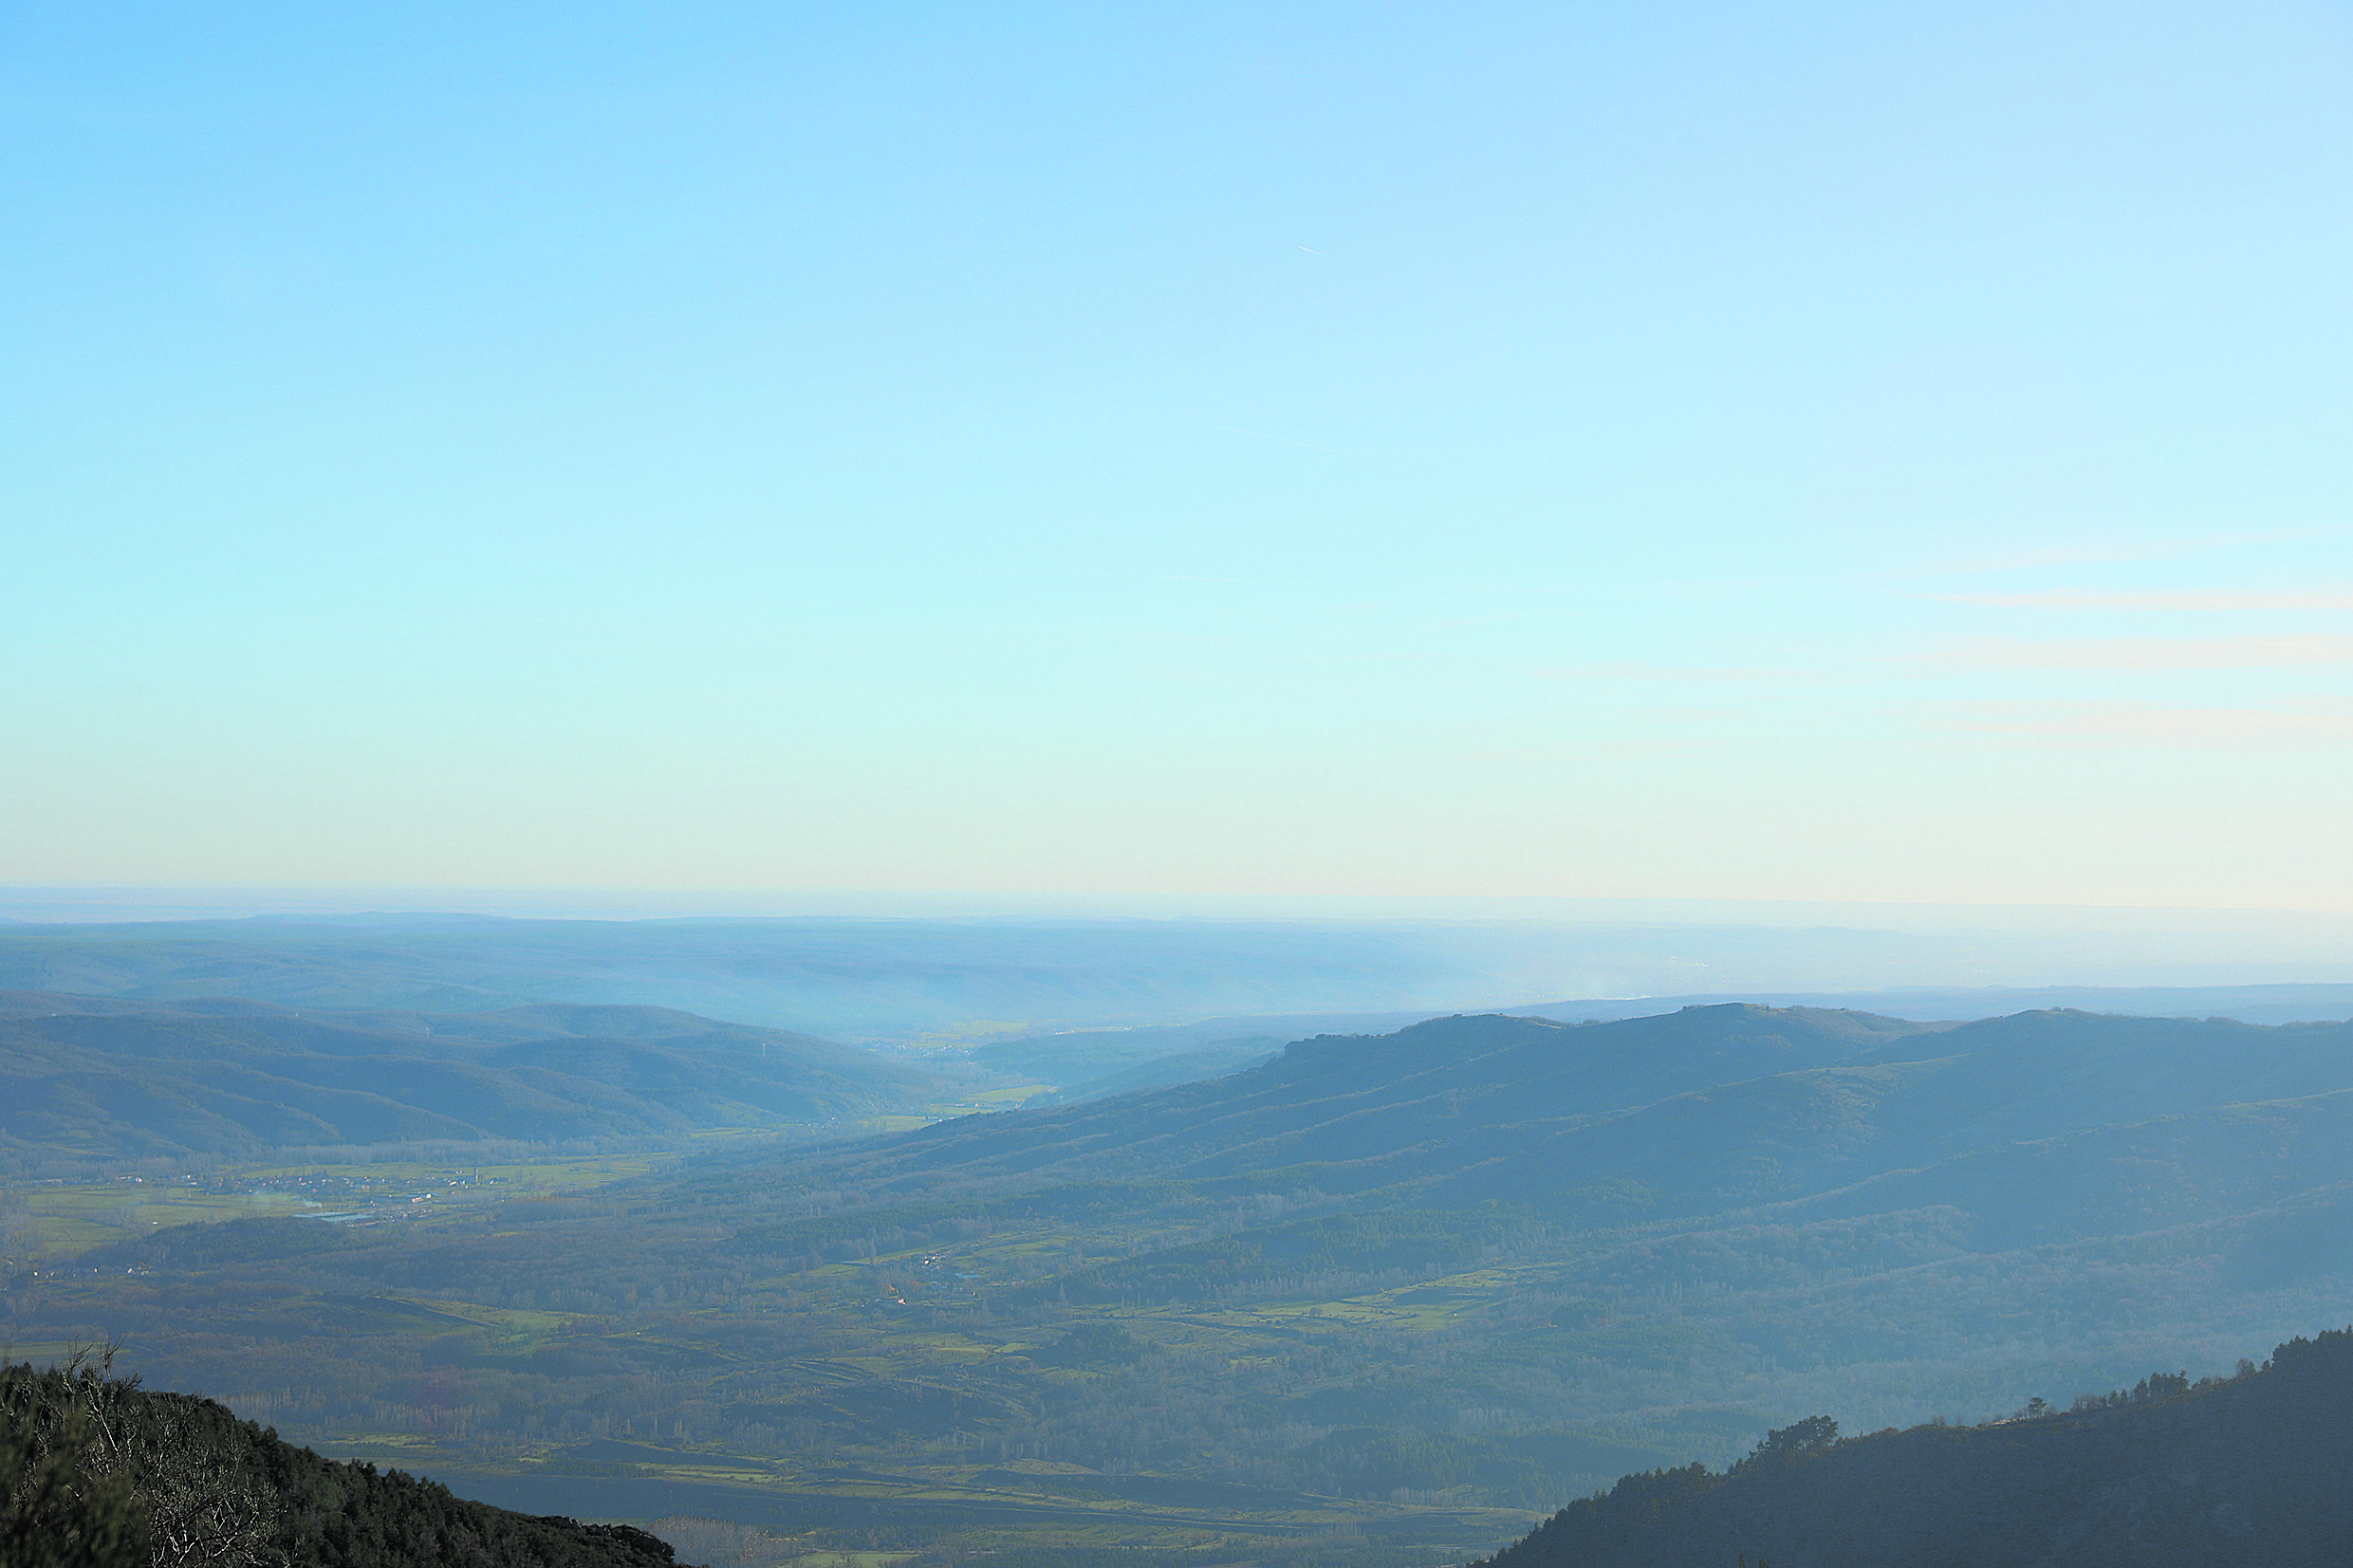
1689	452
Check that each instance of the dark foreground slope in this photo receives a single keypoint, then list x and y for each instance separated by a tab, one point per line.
2246	1471
96	1472
86	1078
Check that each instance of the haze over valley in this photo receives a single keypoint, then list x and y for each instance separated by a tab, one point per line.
1193	1288
1179	785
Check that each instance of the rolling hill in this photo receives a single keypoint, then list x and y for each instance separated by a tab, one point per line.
92	1079
1403	1283
1748	1103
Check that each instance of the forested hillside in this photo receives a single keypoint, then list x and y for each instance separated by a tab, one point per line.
2227	1472
85	1079
97	1472
1416	1286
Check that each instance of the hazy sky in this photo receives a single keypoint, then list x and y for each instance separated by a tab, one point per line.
1873	452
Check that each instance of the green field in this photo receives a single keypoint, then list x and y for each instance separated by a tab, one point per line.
67	1218
71	1218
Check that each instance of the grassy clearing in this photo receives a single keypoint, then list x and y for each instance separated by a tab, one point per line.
523	1323
440	1177
70	1220
1007	1096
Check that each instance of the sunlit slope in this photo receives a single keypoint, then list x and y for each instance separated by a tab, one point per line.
95	1079
1702	1109
1427	1100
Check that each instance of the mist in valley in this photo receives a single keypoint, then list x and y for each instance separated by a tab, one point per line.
1176	787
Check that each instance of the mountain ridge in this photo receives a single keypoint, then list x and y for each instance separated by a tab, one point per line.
1403	1263
98	1078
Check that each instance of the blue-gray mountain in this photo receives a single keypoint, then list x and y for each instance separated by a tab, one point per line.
1481	1262
1709	1109
85	1079
843	979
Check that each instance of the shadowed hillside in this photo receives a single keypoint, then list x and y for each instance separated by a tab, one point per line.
2244	1470
96	1472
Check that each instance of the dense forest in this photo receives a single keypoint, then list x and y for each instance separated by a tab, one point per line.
97	1473
2247	1470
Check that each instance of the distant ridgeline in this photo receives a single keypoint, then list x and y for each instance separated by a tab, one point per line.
88	1079
2251	1469
96	1472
